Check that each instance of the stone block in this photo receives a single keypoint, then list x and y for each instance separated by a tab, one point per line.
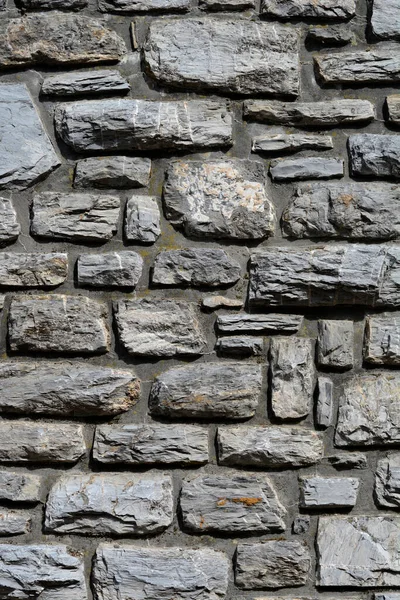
195	267
335	344
328	493
113	269
117	172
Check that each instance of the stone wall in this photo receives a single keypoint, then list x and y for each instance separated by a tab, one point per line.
200	285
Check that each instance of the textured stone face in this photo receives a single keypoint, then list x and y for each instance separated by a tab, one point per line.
53	4
252	57
215	302
280	447
393	106
324	408
375	155
26	152
57	323
19	487
273	564
335	35
355	460
380	64
387	482
324	9
9	226
196	267
243	345
208	390
65	388
144	125
159	327
292	377
201	573
118	172
306	168
335	344
142	220
15	522
150	444
294	142
369	558
114	269
385	19
270	323
33	270
328	492
227	4
231	503
382	339
141	6
100	82
221	199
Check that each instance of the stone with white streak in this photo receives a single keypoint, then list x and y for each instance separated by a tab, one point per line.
104	81
196	267
385	19
142	220
117	172
328	492
113	269
261	324
382	339
335	344
9	226
325	10
294	142
23	269
387	481
378	64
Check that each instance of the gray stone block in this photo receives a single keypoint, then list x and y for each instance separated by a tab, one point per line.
301	525
324	408
269	323
15	522
306	168
309	9
382	339
142	220
142	6
118	172
196	267
216	5
9	226
385	19
335	344
387	482
290	142
335	35
328	492
374	155
393	106
113	269
53	4
243	345
375	65
104	81
348	460
216	302
20	487
34	269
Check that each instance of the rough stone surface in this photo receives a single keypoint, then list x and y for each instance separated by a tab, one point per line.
336	10
32	270
196	267
53	4
114	269
118	172
277	446
375	155
313	167
57	323
233	502
221	199
301	525
335	35
227	4
215	302
243	345
142	220
382	339
151	444
387	486
15	522
9	226
159	328
201	573
328	492
19	487
324	407
208	390
292	142
272	564
103	81
252	57
292	377
335	344
270	323
393	106
385	19
378	64
143	6
353	460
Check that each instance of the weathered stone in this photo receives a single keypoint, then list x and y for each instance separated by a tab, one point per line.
272	564
65	388
159	327
375	65
337	10
142	219
393	106
333	113
252	57
382	339
118	172
26	152
368	558
269	323
42	572
110	503
387	483
374	155
385	19
279	447
179	573
75	217
389	596
221	199
58	323
324	408
3	4
87	83
335	344
292	377
301	525
19	487
114	269
369	411
208	390
227	4
53	4
328	492
215	302
243	345
348	460
144	125
57	38
231	503
35	269
335	35
307	167
293	142
140	6
9	226
15	522
195	266
39	442
151	444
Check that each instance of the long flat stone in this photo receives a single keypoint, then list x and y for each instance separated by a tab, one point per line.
34	269
382	339
241	345
380	64
387	481
261	324
9	226
20	487
328	492
325	10
290	142
117	172
112	269
252	57
217	5
374	155
121	7
334	35
309	167
385	19
104	81
53	4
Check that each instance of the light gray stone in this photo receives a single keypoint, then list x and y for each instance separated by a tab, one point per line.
231	503
387	482
142	220
118	172
26	152
389	596
208	390
348	460
307	167
9	226
58	323
374	155
269	323
3	4
382	339
154	573
42	572
20	487
196	267
324	408
290	142
215	302
393	106
380	63
216	5
292	377
52	4
331	113
272	564
88	83
159	328
143	6
220	199
368	558
144	125
34	269
151	444
385	19
328	492
66	388
15	522
335	35
243	345
110	503
40	442
335	344
114	269
75	217
252	57
272	447
309	9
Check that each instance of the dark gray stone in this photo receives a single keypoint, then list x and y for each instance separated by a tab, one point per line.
3	4
348	460
393	106
310	167
375	65
385	19
53	4
387	482
301	525
208	390
324	408
114	269
92	82
335	344
15	522
335	35
216	5
243	345
382	339
143	6
215	302
374	155
118	172
231	503
20	487
328	492
269	323
35	269
290	142
309	9
142	220
196	267
9	226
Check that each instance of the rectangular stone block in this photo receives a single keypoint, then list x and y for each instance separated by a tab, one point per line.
15	522
9	226
379	64
309	9
104	81
53	4
143	6
113	269
306	168
20	487
335	344
142	220
117	172
328	492
387	481
35	269
374	155
385	19
261	324
216	5
241	345
195	267
393	107
290	142
382	339
324	408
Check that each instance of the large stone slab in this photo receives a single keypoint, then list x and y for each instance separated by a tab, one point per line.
374	155
142	220
282	143
159	328
387	482
104	81
269	323
208	391
220	199
110	503
66	388
385	19
57	38
34	269
112	269
179	573
328	492
375	65
231	503
368	558
251	57
308	167
9	226
144	125
26	152
335	344
58	323
382	339
20	487
118	172
143	6
272	447
337	10
151	444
